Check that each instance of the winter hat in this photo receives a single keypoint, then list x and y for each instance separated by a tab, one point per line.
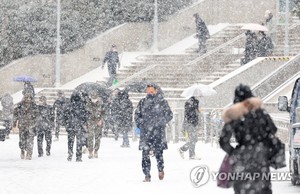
241	93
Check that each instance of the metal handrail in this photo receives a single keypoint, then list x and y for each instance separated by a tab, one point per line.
215	49
188	64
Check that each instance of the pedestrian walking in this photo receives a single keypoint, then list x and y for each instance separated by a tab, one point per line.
151	116
111	112
124	116
95	121
112	60
59	106
191	121
254	131
28	89
250	47
76	125
7	113
25	118
264	45
45	126
202	33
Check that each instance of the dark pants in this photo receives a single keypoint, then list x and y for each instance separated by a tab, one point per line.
112	74
58	124
8	126
125	138
48	138
94	138
146	162
192	140
72	134
202	46
26	140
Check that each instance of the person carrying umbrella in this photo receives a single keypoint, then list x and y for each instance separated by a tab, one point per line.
151	116
191	120
264	45
28	89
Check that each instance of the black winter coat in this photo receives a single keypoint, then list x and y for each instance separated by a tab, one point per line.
253	130
45	120
191	111
201	29
151	116
112	59
76	114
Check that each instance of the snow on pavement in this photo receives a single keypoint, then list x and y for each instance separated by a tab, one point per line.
117	170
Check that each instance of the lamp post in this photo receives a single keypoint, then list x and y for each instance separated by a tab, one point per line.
58	41
155	28
286	34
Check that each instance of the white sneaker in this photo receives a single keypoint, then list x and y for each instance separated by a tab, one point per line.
181	153
195	158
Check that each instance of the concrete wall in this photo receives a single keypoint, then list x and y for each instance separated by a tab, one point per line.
132	37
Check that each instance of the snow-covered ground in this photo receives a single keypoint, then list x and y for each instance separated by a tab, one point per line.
117	170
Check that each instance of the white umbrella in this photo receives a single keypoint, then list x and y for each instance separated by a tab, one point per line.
255	27
198	90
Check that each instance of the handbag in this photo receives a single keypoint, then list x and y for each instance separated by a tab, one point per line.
277	159
223	180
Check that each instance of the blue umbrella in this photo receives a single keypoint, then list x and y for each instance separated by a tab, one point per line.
24	78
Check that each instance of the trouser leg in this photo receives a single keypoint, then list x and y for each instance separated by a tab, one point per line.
79	141
125	138
57	129
48	138
98	135
71	138
146	163
160	160
40	137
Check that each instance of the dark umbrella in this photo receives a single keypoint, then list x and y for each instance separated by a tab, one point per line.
24	78
141	86
88	88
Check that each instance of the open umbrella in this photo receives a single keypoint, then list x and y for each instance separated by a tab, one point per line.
200	90
88	88
24	78
141	86
255	27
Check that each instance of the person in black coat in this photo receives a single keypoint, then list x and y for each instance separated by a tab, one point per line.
112	60
76	116
45	125
59	107
124	118
202	33
151	116
253	130
250	47
191	119
264	45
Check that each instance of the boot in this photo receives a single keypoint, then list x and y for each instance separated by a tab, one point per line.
22	154
90	155
181	153
28	156
96	154
147	179
161	175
